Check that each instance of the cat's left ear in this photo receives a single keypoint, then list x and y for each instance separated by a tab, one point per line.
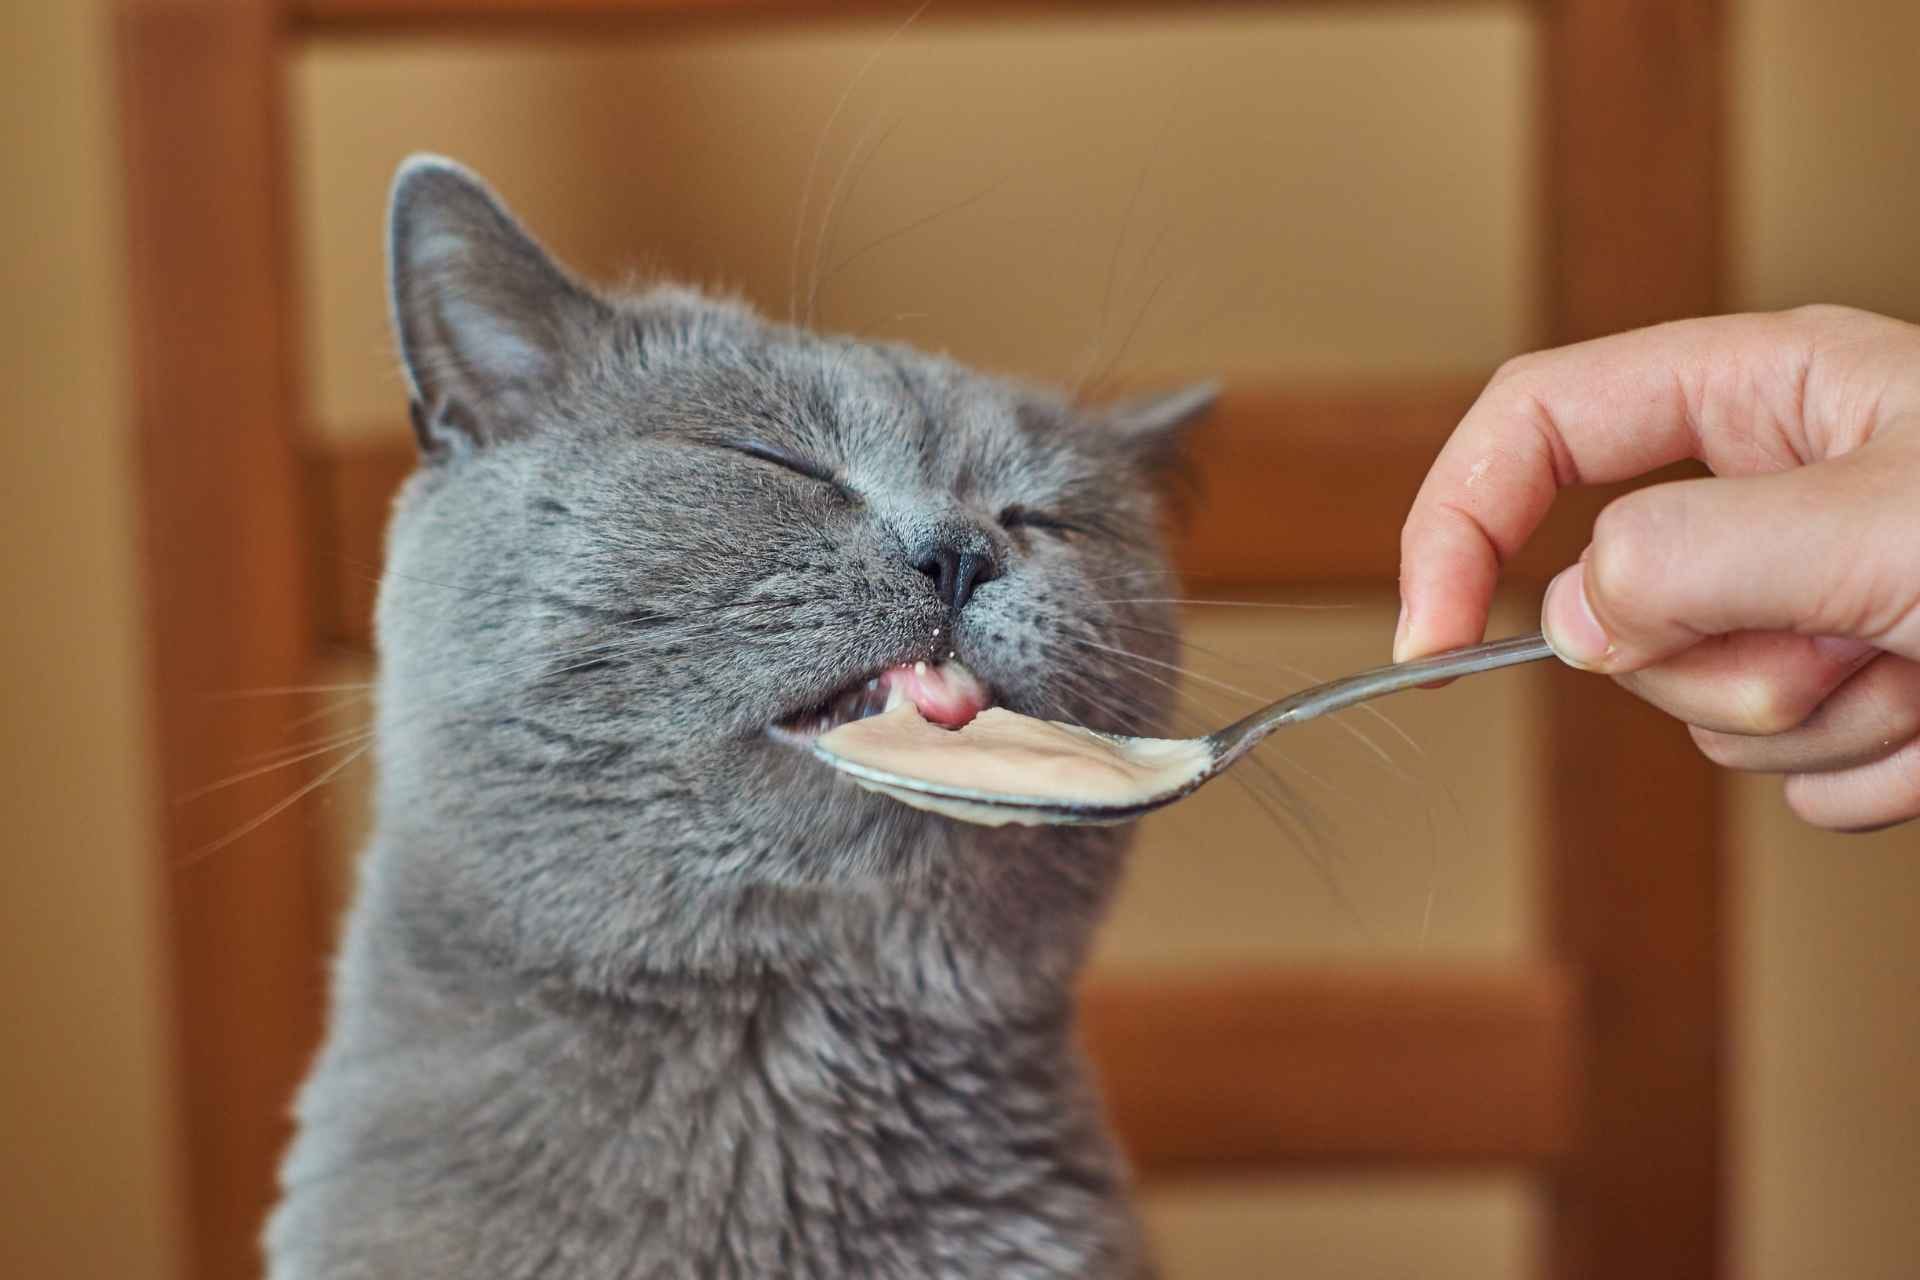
1155	427
488	323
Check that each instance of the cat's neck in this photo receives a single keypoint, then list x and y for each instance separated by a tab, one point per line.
983	926
764	1119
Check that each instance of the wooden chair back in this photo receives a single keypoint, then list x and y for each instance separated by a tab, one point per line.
1601	1068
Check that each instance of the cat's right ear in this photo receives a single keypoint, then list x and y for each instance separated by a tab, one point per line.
486	321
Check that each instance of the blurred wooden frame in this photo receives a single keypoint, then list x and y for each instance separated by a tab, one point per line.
1602	1068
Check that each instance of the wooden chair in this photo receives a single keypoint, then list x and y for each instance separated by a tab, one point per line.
1600	1069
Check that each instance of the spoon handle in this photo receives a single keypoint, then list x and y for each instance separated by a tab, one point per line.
1237	739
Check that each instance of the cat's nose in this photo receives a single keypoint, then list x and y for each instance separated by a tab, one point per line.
956	571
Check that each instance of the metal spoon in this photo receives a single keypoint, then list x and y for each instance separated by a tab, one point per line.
1210	756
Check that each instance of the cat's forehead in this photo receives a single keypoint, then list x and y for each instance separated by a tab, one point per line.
855	401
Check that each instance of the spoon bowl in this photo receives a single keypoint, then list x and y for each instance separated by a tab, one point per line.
1140	775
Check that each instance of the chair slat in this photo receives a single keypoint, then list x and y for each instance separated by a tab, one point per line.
1263	1068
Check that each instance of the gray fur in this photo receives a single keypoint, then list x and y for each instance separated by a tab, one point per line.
632	989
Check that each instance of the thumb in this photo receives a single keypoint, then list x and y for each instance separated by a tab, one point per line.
1824	550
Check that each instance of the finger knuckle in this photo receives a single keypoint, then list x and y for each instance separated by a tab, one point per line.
1514	390
1514	369
1826	315
1762	706
1627	559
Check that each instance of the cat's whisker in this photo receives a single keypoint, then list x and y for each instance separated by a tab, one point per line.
1433	878
880	242
1302	813
1155	148
1187	694
1168	572
255	824
1133	661
361	691
285	749
1386	758
333	708
844	185
376	572
1321	865
339	744
1228	604
1188	672
1191	646
1286	808
1389	763
1205	728
1337	719
508	671
1180	574
1134	668
1393	727
1308	678
1091	355
1110	699
1257	760
1121	718
819	146
1090	390
1188	645
365	737
279	690
1232	300
1227	714
1133	331
1287	798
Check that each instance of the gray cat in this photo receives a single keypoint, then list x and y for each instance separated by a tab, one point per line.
633	986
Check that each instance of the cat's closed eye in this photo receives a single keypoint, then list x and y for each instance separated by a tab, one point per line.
790	461
1019	517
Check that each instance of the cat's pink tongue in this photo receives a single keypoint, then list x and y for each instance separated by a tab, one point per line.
946	693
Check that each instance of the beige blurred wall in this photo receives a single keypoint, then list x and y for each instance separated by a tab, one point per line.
1340	194
1826	154
86	1131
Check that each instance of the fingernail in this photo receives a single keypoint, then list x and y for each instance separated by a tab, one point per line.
1842	651
1400	634
1567	619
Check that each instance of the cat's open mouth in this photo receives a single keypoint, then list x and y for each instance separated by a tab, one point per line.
946	693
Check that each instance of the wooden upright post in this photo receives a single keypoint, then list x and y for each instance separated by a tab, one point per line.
1636	884
206	170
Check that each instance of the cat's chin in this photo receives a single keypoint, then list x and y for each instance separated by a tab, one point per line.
945	693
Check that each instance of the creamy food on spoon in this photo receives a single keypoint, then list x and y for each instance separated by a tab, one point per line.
935	731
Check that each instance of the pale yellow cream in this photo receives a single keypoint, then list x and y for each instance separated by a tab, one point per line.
1003	754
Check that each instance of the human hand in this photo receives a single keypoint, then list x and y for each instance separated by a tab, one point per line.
1774	607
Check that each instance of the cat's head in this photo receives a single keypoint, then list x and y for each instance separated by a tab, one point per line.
656	542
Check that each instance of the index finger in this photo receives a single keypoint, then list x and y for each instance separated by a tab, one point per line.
1590	413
